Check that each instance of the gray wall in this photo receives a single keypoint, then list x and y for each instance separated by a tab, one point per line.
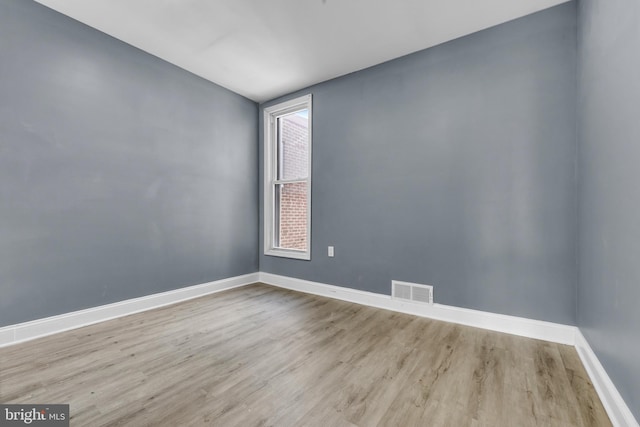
609	192
120	175
454	166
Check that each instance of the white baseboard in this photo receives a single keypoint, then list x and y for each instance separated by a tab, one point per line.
617	409
21	332
554	332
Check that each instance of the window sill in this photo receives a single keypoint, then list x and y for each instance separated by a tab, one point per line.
284	253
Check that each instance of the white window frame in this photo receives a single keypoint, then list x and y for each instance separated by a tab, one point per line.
270	174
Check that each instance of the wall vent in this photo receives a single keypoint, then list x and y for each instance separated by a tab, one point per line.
412	292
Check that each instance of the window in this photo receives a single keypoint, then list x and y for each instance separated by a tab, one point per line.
287	179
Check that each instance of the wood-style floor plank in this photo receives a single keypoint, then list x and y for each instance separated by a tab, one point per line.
262	356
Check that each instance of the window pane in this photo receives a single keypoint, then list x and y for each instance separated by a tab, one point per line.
291	216
293	145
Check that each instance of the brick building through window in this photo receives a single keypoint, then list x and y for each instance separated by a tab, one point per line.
293	153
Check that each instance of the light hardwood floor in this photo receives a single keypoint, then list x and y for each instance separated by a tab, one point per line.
262	356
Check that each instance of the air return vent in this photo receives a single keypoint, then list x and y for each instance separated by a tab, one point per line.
412	292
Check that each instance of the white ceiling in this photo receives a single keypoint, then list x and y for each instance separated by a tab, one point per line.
266	48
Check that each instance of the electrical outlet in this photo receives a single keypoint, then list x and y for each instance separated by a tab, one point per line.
330	251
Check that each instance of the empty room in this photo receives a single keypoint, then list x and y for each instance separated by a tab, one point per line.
319	213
